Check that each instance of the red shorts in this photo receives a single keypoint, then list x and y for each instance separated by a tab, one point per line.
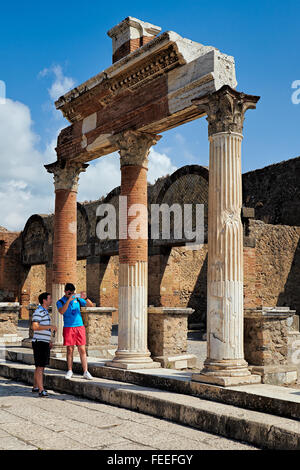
74	336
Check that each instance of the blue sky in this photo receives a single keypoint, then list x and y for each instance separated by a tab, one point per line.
56	44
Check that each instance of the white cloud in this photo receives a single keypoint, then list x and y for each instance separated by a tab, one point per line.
25	186
159	165
61	84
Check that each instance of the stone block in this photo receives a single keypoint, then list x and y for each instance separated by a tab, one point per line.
186	361
276	375
266	335
98	324
167	336
9	315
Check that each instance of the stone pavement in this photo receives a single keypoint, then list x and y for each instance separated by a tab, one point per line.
63	421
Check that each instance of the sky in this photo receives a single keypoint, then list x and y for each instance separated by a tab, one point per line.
48	48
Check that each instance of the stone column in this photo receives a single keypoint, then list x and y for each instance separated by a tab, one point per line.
66	178
225	364
132	352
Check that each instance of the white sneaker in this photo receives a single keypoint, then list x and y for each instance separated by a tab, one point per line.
69	375
87	376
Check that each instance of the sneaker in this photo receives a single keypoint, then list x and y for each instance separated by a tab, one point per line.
35	389
69	375
43	393
87	376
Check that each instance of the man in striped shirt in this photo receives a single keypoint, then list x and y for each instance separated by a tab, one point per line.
41	325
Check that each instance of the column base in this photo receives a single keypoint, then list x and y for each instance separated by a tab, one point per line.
226	381
226	372
133	366
131	361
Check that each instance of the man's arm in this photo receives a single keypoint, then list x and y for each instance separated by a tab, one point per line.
65	307
37	327
89	303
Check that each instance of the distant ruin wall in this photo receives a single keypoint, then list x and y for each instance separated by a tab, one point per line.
274	192
278	264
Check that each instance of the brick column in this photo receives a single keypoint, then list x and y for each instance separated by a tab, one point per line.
132	350
225	363
65	236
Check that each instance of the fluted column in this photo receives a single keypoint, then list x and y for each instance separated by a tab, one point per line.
66	178
225	363
132	352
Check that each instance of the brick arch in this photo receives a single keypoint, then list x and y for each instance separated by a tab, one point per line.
199	170
187	185
35	241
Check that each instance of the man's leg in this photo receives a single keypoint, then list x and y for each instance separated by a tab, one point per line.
70	352
38	378
83	358
35	384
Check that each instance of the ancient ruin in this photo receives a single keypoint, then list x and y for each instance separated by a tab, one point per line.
249	260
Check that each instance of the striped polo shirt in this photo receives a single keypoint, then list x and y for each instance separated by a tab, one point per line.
41	316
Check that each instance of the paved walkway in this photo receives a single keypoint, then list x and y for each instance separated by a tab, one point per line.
66	422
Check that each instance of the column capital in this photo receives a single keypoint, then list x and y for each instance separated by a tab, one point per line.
134	147
66	175
225	109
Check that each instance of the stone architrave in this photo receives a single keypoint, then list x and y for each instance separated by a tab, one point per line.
66	178
225	363
132	352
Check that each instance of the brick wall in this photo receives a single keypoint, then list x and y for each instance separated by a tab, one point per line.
130	46
10	266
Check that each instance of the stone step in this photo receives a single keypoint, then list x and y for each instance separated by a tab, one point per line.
256	428
273	399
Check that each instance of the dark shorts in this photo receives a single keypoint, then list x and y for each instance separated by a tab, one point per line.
41	353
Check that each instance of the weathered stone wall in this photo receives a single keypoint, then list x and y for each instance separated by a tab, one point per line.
178	279
37	282
81	275
278	260
274	192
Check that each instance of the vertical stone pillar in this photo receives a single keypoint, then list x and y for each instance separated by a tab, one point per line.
132	352
65	236
225	364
